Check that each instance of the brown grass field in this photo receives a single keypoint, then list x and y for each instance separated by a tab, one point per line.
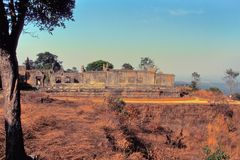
74	128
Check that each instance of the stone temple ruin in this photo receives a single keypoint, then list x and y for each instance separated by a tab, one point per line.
125	83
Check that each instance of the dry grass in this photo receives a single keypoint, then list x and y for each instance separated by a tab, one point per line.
78	128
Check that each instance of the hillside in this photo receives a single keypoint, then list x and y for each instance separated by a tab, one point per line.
63	128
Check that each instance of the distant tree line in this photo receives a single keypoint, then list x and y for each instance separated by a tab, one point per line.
49	60
44	60
230	78
99	65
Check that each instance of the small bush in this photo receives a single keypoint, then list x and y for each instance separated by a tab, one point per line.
175	142
217	155
115	104
215	90
236	96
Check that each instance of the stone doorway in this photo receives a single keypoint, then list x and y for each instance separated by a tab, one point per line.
38	81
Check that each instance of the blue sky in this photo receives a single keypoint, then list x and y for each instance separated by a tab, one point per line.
181	36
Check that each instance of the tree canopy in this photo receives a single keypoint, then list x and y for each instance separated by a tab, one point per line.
231	79
99	65
14	15
146	63
195	81
215	90
127	66
72	70
44	14
47	60
231	74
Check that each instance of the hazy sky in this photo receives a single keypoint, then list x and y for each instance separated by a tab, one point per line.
181	36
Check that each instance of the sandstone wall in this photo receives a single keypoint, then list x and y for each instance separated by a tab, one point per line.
166	80
114	78
125	83
119	92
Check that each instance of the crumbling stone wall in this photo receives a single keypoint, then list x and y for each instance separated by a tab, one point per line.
125	78
166	80
122	92
35	78
112	79
62	77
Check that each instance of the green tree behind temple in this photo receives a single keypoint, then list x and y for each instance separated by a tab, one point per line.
99	65
47	60
146	63
72	70
127	66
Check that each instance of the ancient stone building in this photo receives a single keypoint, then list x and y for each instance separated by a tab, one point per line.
94	82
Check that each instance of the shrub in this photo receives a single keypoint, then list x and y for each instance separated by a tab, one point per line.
115	104
236	96
215	90
217	155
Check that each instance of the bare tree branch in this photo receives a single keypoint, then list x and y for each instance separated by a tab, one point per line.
32	34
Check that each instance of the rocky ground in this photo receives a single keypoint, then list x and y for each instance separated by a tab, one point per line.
85	129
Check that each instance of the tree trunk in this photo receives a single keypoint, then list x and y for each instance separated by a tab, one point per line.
12	110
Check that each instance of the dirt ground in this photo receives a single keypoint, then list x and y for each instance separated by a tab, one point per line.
71	128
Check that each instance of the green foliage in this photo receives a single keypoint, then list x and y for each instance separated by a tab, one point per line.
231	79
194	85
146	63
44	14
29	64
56	66
196	76
127	66
48	14
14	15
232	74
73	70
215	90
216	155
98	65
47	60
116	104
236	96
195	81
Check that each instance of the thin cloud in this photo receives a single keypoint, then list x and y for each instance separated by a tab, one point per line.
184	12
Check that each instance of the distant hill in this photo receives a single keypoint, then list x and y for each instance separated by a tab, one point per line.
206	85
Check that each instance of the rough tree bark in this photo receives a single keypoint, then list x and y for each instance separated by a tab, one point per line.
9	74
13	15
12	110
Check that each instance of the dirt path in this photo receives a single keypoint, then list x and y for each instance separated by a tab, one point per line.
193	100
